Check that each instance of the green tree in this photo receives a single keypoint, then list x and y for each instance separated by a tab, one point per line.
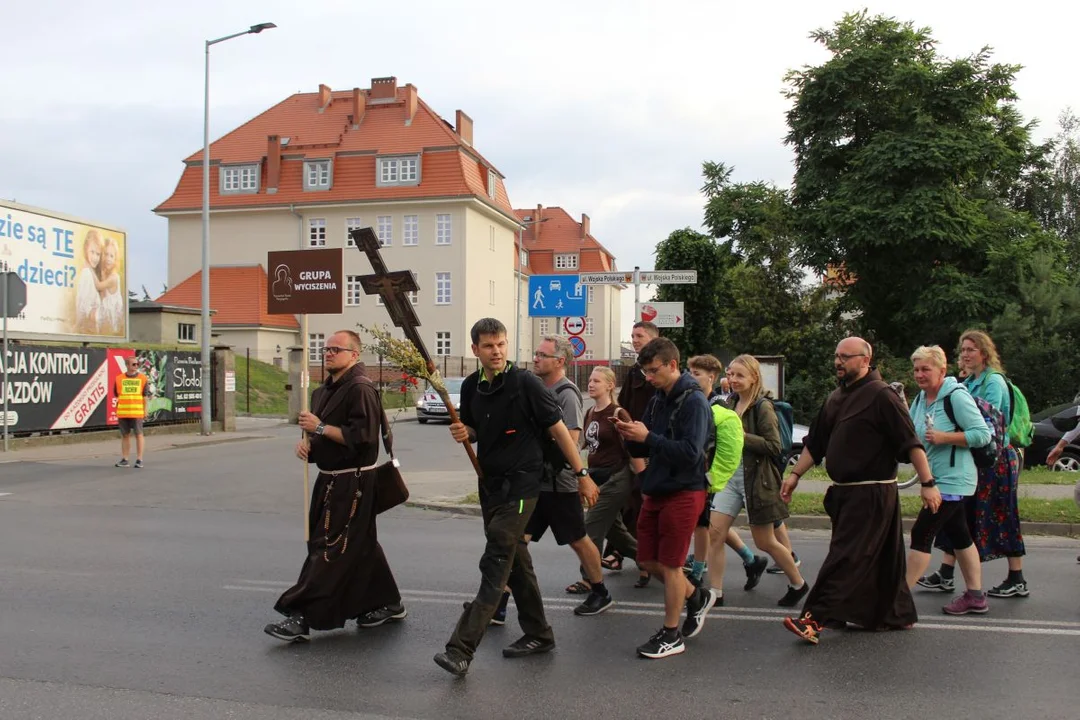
904	165
1050	192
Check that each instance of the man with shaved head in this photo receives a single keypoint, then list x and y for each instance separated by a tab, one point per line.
864	430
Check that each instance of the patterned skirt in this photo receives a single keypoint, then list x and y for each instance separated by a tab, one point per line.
993	513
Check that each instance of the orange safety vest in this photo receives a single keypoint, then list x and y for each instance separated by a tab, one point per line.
129	396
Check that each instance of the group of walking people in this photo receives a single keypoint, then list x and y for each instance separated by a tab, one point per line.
696	456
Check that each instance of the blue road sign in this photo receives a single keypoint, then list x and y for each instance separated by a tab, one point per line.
578	344
556	296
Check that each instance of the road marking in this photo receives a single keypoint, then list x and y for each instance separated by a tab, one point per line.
440	597
4	494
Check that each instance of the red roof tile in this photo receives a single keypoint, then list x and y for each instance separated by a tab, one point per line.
559	234
237	296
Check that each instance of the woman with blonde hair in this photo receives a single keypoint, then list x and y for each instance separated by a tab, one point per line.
755	484
993	513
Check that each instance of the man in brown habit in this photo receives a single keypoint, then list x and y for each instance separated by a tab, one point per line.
345	575
863	430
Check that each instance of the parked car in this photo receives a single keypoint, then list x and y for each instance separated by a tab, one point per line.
798	432
1050	425
431	407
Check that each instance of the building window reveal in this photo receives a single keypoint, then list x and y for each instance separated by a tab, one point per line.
385	224
411	231
185	332
353	290
442	288
315	346
442	229
442	342
353	223
317	232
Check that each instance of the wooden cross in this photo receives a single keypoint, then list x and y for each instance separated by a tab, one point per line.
393	288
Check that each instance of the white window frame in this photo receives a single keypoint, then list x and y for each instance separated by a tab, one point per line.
492	183
185	332
566	261
592	294
523	258
442	342
587	355
589	326
316	342
410	231
544	327
353	290
491	238
316	232
414	298
444	229
443	288
385	222
398	170
491	292
352	223
238	179
318	174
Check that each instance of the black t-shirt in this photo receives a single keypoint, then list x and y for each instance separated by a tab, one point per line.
511	415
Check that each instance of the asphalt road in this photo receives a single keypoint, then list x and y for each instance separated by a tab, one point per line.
142	594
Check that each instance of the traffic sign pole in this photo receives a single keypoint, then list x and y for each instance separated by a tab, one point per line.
4	387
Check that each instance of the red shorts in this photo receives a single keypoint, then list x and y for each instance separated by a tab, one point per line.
666	526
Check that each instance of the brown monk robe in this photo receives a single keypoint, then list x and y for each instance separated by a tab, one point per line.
345	574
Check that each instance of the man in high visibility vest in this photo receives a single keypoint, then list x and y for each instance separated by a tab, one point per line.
131	390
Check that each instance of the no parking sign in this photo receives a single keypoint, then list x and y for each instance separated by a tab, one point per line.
578	344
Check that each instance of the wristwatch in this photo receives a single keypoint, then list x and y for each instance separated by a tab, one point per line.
583	472
930	484
320	429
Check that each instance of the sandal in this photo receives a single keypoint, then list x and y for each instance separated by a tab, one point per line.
612	562
581	587
643	580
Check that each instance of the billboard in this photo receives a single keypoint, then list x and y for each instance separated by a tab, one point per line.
71	388
75	274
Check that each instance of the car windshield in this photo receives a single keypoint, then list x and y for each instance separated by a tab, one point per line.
453	385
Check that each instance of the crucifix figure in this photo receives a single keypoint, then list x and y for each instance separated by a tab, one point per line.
393	288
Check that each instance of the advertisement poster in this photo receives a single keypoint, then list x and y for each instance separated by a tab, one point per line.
75	275
175	383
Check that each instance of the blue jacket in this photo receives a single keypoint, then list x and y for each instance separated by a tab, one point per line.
955	474
675	446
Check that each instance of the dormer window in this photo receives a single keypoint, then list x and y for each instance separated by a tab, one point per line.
401	170
237	179
566	262
317	175
492	182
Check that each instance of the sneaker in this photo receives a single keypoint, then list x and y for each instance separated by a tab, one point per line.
294	629
594	604
499	618
662	645
1009	589
698	606
123	463
688	566
934	581
754	571
967	603
805	627
526	645
793	597
775	569
138	464
385	614
454	666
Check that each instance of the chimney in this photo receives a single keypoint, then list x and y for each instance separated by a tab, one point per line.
273	163
384	88
324	97
584	226
410	103
359	103
464	127
537	224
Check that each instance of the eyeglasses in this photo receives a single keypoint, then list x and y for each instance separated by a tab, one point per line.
334	350
651	372
540	356
844	358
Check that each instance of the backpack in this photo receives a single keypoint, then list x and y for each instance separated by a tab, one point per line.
1021	430
989	454
785	421
554	460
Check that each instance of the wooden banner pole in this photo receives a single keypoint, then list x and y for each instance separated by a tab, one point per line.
305	379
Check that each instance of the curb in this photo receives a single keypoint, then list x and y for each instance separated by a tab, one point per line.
796	522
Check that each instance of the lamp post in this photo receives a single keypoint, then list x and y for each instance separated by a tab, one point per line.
517	287
205	375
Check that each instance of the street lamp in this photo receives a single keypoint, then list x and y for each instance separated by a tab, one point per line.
205	376
517	288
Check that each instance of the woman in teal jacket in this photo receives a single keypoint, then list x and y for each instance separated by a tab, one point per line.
954	472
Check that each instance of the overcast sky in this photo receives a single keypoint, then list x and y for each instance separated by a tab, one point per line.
607	108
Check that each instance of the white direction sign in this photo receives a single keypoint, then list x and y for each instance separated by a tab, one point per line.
606	278
574	325
661	314
668	277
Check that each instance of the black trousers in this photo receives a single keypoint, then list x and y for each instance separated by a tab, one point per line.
505	562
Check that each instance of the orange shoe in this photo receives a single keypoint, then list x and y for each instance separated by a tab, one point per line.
805	627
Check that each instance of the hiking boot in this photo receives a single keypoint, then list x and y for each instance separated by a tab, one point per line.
775	569
499	618
594	604
663	644
805	627
138	464
698	606
453	665
385	614
754	571
934	581
793	597
967	603
1009	589
526	645
293	629
123	463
